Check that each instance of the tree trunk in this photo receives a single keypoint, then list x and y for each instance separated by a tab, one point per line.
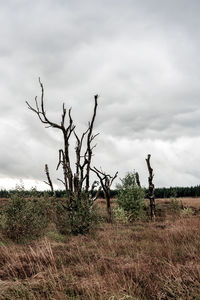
151	191
108	205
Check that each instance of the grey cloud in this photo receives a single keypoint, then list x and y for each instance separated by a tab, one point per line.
142	57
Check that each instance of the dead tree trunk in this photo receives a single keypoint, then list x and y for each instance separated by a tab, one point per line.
151	191
74	182
106	182
90	138
137	179
49	179
83	162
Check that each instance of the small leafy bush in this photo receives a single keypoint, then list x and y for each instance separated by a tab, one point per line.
174	206
187	212
61	216
120	215
131	197
78	218
24	219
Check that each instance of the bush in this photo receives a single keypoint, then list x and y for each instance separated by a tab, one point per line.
77	218
24	219
61	216
174	206
131	197
187	212
120	215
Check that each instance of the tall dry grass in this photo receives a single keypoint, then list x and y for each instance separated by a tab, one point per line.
159	260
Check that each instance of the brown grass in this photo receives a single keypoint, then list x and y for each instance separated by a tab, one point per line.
187	201
159	260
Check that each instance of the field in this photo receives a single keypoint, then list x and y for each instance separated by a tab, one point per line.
143	260
187	202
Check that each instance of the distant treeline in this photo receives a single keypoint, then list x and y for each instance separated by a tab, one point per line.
193	191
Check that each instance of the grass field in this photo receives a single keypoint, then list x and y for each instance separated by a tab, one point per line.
143	260
187	201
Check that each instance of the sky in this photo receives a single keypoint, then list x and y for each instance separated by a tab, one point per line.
140	56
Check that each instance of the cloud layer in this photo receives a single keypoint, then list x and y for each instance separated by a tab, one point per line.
142	57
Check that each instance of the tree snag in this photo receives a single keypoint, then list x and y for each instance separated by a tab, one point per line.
106	181
151	195
74	182
137	178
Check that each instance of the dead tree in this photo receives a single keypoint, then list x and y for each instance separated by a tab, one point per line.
74	182
106	181
49	182
151	195
137	178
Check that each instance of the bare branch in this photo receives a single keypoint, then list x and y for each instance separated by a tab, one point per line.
42	114
49	179
61	181
88	154
93	137
113	178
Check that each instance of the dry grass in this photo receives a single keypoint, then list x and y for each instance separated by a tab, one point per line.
186	201
159	260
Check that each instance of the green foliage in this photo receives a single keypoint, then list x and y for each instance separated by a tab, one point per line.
174	206
77	218
61	216
193	191
131	197
24	219
120	215
187	212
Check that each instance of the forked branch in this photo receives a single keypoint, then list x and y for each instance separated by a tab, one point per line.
106	181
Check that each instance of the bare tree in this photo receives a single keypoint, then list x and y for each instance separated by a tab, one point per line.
74	182
137	178
151	191
49	182
106	181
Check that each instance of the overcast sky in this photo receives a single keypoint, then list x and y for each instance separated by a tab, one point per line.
141	56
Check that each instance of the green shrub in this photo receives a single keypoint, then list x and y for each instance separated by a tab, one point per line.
78	218
174	206
131	197
187	212
61	216
120	215
24	219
